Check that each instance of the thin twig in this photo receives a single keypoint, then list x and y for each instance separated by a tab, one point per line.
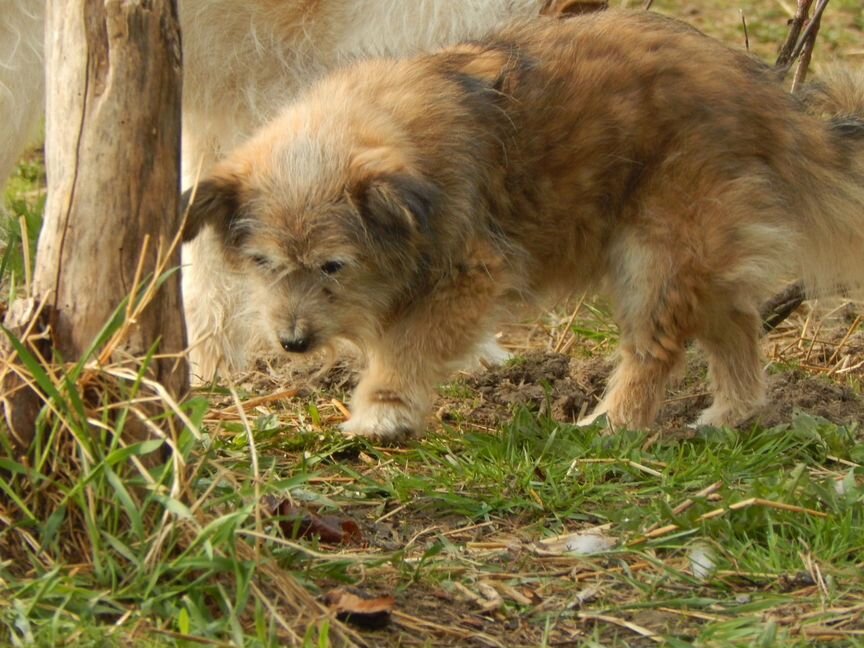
842	343
808	42
418	624
785	58
690	501
723	510
810	30
629	625
564	337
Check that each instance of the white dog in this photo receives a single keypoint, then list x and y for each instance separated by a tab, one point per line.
242	61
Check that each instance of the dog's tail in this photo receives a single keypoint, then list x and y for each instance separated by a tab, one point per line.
831	197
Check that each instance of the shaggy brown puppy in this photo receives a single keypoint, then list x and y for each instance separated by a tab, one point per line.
401	203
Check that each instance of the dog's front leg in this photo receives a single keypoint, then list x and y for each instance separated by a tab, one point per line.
394	393
420	349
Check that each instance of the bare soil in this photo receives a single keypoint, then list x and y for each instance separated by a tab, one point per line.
565	388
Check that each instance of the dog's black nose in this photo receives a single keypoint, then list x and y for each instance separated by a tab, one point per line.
296	345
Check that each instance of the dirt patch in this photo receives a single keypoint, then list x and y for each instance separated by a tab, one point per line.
547	383
565	388
793	390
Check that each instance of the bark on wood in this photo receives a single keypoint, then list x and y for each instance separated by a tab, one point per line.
796	24
782	305
112	159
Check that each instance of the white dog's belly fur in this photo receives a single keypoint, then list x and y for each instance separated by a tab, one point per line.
242	62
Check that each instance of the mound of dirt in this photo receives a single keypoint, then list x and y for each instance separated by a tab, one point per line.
565	388
548	383
793	390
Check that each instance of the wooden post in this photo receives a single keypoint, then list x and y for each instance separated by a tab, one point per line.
113	166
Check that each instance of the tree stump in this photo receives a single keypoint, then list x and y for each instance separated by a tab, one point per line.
113	165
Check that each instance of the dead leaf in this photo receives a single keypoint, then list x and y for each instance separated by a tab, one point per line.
360	608
300	522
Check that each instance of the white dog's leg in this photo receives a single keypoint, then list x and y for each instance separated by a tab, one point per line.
221	330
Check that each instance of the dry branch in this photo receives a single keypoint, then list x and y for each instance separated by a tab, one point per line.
112	160
781	306
796	25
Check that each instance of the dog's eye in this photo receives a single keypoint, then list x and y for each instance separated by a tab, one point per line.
332	267
261	261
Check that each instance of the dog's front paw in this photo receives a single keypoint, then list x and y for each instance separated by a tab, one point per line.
486	354
385	417
721	415
591	419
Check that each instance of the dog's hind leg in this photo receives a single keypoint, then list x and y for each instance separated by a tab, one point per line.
655	300
637	385
731	342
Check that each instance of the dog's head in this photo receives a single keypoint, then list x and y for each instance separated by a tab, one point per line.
325	224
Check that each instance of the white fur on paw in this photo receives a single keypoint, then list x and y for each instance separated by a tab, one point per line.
591	418
486	354
491	353
382	421
716	416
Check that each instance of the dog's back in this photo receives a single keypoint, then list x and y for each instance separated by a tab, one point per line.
609	119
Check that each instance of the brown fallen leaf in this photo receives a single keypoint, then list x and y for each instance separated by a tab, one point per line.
300	522
360	608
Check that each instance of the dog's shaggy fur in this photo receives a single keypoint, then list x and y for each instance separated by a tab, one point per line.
242	61
401	203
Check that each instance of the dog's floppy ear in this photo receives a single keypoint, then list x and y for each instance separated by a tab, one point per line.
389	192
495	67
565	8
212	202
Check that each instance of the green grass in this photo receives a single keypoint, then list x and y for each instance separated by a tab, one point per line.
168	552
105	543
24	201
